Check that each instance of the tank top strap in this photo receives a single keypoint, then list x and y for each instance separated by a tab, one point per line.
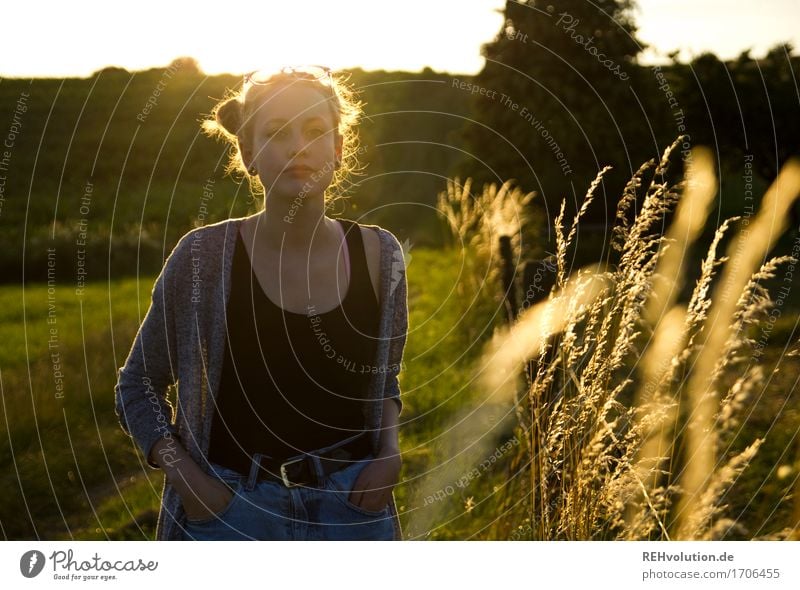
346	249
359	270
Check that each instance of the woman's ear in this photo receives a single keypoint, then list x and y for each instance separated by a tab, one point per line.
337	151
337	146
247	154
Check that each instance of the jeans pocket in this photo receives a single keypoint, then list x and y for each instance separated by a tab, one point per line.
340	484
236	485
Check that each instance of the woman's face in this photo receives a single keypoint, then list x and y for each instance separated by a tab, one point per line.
293	127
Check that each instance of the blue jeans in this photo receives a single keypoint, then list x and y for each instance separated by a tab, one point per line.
269	511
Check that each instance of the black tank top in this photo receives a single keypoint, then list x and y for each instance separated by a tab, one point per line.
293	382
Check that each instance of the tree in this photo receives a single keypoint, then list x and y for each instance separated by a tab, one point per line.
185	66
558	102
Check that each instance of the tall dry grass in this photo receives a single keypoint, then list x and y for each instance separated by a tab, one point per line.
635	400
477	220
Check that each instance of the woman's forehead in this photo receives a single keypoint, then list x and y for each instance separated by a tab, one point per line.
294	102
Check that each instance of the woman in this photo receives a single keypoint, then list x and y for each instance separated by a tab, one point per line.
284	333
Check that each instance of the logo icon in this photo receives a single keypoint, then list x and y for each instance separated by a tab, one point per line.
400	261
31	563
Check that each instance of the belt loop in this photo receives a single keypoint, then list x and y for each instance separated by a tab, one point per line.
255	467
316	470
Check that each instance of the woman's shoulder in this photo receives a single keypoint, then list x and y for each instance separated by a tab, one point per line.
379	240
383	251
212	235
380	245
200	243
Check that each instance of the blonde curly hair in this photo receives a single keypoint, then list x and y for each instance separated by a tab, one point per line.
232	120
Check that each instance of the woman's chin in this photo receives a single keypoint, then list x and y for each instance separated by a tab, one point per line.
295	192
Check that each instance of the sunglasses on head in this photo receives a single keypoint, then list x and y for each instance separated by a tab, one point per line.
306	72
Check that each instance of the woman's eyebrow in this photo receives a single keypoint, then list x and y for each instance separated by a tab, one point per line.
311	118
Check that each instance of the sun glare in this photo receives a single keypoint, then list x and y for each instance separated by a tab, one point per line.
238	36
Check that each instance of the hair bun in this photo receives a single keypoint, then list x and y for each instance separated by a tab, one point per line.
229	115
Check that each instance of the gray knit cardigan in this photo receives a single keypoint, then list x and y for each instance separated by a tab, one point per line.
181	343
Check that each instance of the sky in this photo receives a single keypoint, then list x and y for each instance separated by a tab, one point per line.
77	38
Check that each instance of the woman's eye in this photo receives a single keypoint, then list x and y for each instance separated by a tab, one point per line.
274	132
317	131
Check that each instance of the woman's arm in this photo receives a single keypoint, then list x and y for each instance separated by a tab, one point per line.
144	412
140	392
392	404
389	443
201	495
373	487
391	389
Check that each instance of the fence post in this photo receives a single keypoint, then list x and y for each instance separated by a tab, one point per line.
507	278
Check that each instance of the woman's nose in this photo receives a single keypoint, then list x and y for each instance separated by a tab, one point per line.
298	144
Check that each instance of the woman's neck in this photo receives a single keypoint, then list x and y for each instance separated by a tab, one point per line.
303	229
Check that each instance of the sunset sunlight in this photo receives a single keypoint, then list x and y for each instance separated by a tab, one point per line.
520	271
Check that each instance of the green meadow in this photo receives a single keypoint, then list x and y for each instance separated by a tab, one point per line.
69	470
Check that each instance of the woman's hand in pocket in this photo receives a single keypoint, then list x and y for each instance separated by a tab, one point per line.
202	495
372	489
205	497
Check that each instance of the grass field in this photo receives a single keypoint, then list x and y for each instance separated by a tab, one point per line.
69	472
68	469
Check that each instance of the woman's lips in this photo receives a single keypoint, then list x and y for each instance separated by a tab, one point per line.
299	170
